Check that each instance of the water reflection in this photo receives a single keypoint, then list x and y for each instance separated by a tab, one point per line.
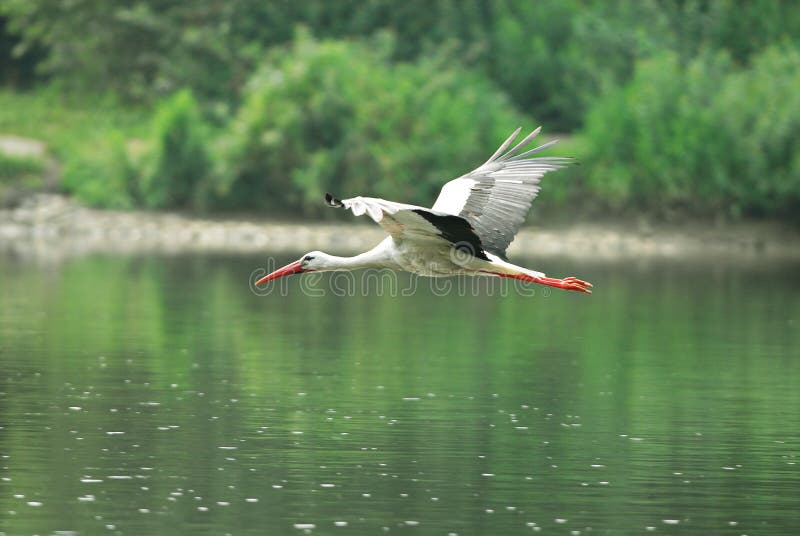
158	395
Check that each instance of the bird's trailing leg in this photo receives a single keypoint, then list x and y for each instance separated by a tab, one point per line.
568	283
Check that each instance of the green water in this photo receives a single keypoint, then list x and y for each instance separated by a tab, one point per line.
160	396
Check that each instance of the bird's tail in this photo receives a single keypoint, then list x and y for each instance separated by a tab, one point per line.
332	201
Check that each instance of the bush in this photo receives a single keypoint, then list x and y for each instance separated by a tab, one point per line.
702	136
338	116
177	171
93	181
19	175
758	111
555	56
17	167
551	56
81	132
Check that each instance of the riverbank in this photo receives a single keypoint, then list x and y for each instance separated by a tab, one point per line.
52	228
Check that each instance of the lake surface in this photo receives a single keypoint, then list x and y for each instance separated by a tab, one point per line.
161	396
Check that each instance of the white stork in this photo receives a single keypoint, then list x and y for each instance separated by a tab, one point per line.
467	231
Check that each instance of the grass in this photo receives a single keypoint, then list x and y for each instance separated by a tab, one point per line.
14	167
83	134
19	175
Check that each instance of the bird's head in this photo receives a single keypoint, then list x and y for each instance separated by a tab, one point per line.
313	261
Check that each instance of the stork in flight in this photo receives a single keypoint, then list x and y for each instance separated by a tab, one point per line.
467	231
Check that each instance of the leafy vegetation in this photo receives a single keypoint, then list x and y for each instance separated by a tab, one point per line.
700	136
677	105
81	132
336	116
19	175
179	164
13	167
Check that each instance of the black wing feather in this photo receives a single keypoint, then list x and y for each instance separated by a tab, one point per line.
456	230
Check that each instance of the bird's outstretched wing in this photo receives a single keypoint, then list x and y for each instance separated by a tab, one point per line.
418	224
496	197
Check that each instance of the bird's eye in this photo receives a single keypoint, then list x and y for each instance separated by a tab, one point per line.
308	258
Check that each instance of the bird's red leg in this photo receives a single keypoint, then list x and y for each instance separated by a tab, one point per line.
568	283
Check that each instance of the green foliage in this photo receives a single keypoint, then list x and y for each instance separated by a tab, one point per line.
139	50
19	175
704	135
14	167
17	68
179	164
759	112
553	57
689	104
336	116
80	132
90	180
742	28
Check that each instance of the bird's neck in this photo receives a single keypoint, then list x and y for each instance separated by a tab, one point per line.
377	257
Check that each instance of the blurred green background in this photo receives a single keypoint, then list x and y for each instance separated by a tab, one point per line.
674	108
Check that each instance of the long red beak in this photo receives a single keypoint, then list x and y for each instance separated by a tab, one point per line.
289	269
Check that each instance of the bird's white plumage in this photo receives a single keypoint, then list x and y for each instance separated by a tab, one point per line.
374	207
495	197
399	220
492	201
470	225
454	196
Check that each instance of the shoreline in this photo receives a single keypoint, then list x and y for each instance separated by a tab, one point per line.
52	228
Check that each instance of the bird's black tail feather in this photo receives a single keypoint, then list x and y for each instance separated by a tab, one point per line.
332	201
